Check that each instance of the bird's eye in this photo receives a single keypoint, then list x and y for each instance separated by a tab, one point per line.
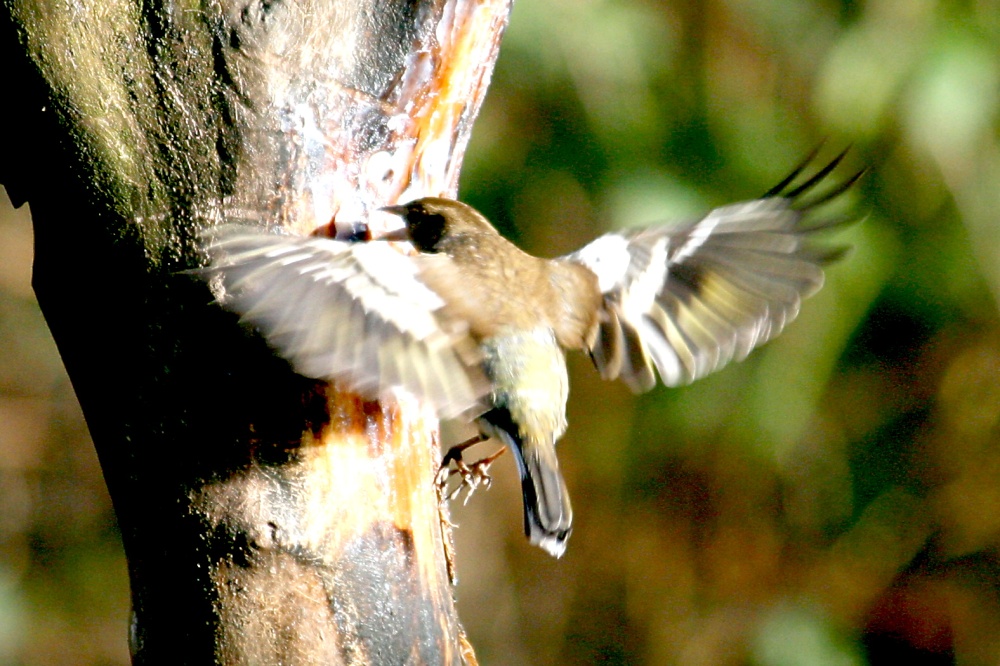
426	229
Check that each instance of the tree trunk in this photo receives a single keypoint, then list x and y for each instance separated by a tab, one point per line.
266	518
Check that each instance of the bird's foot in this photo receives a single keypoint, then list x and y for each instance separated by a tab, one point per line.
473	475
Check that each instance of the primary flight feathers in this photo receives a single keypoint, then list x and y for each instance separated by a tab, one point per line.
355	313
689	299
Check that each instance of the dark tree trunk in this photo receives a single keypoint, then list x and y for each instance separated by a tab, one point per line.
266	518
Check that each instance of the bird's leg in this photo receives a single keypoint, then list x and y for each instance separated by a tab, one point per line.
473	474
454	454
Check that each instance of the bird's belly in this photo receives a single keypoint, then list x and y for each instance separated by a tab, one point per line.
527	370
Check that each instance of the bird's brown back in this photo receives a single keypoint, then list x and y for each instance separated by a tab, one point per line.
492	284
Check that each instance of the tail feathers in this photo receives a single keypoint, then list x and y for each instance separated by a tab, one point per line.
548	516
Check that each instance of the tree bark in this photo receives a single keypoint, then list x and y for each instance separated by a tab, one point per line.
266	518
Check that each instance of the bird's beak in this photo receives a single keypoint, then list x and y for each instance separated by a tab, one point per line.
395	210
399	234
394	235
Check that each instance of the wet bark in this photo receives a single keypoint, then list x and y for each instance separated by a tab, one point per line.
266	518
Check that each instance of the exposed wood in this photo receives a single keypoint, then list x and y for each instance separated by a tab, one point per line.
266	518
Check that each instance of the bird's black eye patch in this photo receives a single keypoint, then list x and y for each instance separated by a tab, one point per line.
426	229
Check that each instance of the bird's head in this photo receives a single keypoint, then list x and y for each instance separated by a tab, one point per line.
434	224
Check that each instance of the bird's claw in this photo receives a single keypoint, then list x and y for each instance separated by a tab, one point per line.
473	475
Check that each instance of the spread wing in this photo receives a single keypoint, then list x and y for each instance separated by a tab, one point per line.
354	313
691	298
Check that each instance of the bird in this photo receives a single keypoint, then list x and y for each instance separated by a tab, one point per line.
479	329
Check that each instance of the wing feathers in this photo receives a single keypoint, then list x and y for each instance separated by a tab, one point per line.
692	298
607	351
355	313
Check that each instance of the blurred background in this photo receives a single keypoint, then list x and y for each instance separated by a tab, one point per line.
834	499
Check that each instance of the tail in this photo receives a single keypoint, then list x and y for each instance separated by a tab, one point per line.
548	516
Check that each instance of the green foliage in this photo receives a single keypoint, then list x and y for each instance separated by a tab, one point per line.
825	469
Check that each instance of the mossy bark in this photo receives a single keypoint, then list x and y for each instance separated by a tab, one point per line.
266	518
